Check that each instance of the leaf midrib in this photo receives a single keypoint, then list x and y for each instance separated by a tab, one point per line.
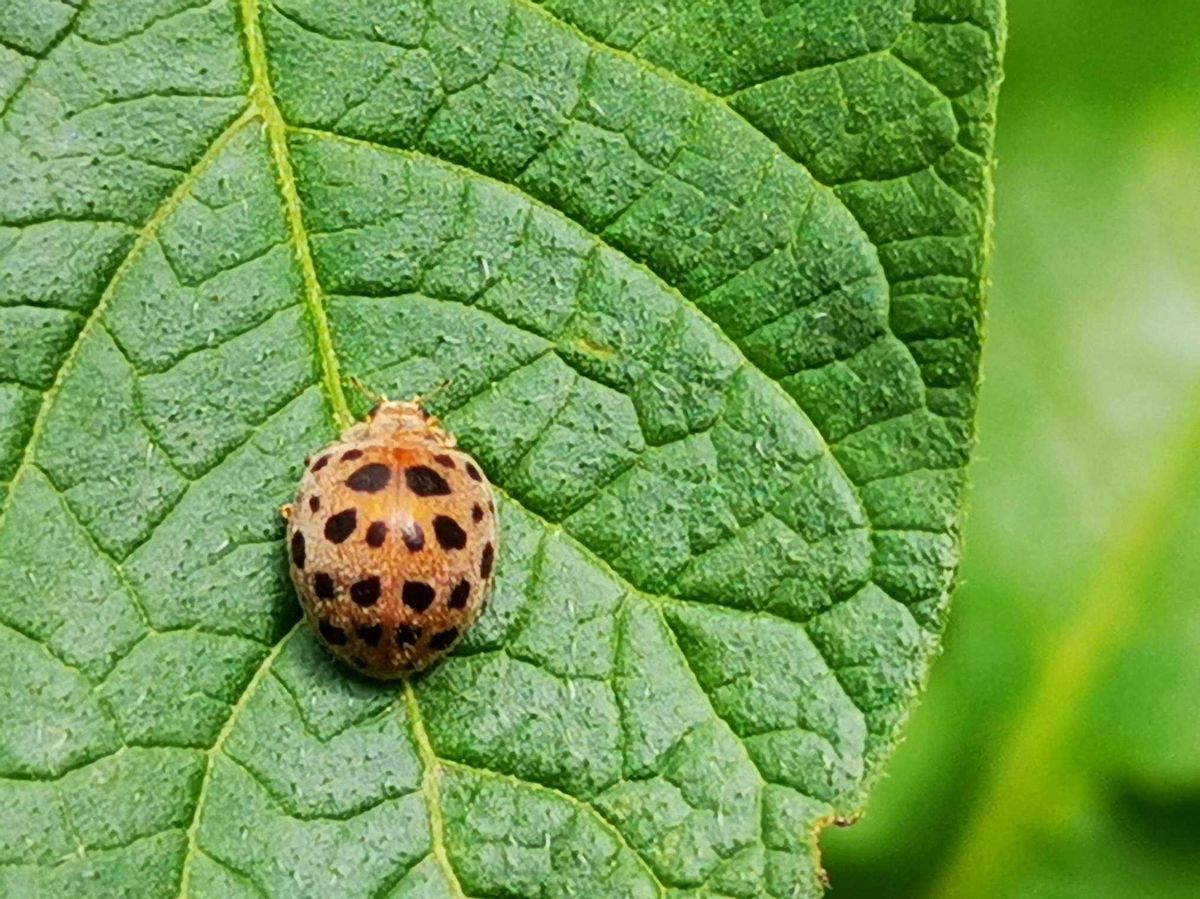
262	101
430	776
262	98
262	104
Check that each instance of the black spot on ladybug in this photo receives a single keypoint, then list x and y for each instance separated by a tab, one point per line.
459	595
341	525
323	586
366	591
376	534
370	633
414	536
417	596
474	472
443	639
319	464
407	636
371	478
332	633
448	532
314	503
486	560
477	513
351	455
444	460
298	549
424	481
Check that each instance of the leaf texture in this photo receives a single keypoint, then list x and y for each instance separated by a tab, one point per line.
705	280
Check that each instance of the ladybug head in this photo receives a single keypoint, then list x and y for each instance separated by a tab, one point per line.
410	418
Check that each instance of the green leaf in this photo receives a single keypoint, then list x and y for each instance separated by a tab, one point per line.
706	286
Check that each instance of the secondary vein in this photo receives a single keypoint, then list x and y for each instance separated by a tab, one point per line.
144	236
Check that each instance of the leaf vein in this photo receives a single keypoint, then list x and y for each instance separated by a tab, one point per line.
143	238
217	748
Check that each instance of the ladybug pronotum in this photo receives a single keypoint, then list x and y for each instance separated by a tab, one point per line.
392	539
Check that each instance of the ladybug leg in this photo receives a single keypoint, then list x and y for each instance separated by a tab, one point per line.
285	512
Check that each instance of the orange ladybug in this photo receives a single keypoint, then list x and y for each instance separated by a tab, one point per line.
392	541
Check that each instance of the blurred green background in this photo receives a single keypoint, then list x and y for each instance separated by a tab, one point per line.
1057	751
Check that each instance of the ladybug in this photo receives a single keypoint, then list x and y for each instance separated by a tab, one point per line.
392	540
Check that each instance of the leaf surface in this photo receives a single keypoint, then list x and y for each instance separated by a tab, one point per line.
705	284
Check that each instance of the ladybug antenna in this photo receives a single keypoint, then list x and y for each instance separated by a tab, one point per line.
377	399
423	398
